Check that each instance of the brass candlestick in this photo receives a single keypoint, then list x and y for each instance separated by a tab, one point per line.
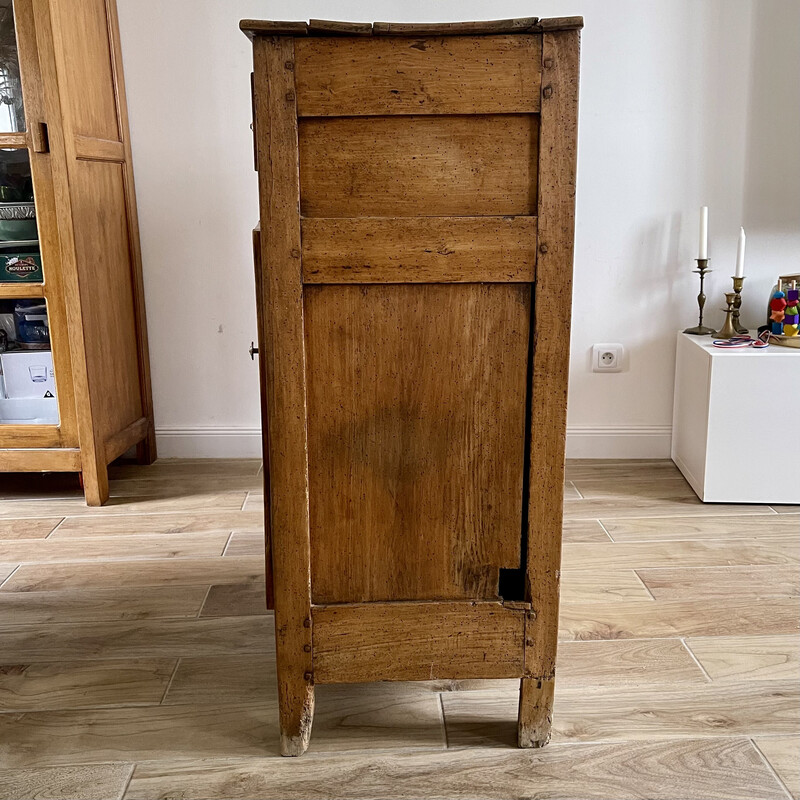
737	304
728	331
700	329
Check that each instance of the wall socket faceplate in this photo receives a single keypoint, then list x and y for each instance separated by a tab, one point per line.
607	357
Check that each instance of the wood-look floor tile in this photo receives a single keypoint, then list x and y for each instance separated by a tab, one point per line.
584	530
637	619
583	585
149	638
116	548
676	583
711	553
254	502
690	769
487	718
141	524
622	506
50	738
31	528
183	485
790	509
235	600
246	543
740	658
177	467
94	605
159	572
11	509
783	753
222	680
619	662
570	490
634	486
6	570
609	468
83	684
374	716
696	528
87	782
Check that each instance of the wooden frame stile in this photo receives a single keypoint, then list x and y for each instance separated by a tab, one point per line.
46	446
557	168
284	364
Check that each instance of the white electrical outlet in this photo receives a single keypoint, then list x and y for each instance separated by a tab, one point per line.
607	357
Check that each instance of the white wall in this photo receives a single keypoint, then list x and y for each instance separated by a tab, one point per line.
669	89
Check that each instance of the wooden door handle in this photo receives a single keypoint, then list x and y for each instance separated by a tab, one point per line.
39	138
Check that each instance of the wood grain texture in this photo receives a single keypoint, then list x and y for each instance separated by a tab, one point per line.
674	583
83	684
418	166
783	754
743	658
450	75
156	572
416	641
779	552
17	608
640	619
471	28
483	718
159	524
416	405
284	360
548	390
689	769
89	782
419	250
136	639
27	528
732	526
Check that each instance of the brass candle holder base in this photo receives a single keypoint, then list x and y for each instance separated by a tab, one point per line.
727	331
700	329
737	304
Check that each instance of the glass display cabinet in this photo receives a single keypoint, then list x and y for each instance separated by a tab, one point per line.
74	374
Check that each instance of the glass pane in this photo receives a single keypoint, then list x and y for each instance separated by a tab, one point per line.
12	114
19	239
27	379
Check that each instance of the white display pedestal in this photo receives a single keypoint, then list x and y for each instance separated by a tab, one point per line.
735	422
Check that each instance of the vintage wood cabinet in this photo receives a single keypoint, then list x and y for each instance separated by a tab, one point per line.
413	272
61	70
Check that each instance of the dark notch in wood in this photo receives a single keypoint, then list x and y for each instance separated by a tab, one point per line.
324	27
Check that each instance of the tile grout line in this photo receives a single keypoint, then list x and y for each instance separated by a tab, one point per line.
8	577
171	679
203	604
695	658
127	783
772	769
600	523
646	587
58	525
443	721
227	544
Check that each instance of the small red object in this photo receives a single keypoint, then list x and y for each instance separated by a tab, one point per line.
777	303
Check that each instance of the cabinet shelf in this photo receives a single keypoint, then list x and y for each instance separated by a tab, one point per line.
11	291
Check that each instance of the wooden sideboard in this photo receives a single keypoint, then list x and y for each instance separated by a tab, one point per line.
413	271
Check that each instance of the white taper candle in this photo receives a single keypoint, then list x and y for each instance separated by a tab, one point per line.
740	255
703	253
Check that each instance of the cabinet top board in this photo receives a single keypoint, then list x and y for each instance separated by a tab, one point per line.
323	27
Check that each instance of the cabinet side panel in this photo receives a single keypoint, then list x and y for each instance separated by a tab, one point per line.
416	405
86	72
104	276
419	165
418	75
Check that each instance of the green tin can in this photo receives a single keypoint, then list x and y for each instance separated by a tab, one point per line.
20	268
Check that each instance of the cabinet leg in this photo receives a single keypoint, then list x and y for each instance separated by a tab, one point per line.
95	484
535	711
296	702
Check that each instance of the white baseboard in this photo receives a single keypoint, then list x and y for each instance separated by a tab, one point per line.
583	441
208	442
619	441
